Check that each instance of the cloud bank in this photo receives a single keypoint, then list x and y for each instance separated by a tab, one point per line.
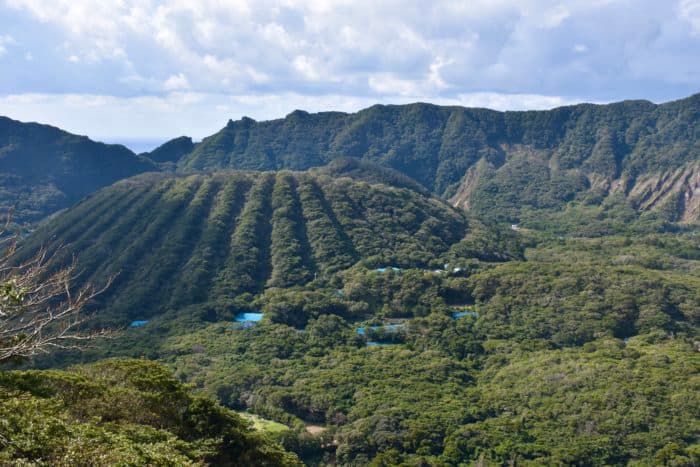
186	66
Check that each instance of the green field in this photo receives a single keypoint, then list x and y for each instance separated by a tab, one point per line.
263	424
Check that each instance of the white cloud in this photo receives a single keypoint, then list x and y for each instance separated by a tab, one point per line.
435	79
177	82
492	100
306	68
5	40
555	17
689	11
480	52
388	84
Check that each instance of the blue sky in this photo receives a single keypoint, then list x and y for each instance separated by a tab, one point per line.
142	69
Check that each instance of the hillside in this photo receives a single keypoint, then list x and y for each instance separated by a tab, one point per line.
479	361
493	163
585	353
178	240
171	151
122	412
599	161
44	169
364	320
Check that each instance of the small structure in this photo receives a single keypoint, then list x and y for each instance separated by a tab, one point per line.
139	323
247	320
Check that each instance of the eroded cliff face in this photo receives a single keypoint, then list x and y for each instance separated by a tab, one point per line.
675	192
691	197
469	183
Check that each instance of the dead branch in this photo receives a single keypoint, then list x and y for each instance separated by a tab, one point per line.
41	309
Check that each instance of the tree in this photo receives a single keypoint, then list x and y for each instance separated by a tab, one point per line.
40	307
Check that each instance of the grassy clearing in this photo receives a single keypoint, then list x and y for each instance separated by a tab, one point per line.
263	424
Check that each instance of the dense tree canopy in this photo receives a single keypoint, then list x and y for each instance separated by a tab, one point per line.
581	352
358	320
122	412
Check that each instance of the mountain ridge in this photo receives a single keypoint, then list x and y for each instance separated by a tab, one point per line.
502	165
44	169
397	327
589	148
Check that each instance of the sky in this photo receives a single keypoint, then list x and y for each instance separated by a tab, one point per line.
142	71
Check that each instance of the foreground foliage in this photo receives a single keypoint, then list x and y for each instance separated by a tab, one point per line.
121	412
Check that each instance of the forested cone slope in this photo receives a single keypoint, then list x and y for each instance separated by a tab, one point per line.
44	169
178	240
487	161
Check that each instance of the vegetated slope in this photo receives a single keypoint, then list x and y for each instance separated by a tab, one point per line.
122	412
585	354
171	151
44	169
175	241
494	163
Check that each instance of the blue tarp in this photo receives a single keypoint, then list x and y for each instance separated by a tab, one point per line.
459	314
387	328
139	323
245	317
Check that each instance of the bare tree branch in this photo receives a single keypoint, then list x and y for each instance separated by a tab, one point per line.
40	308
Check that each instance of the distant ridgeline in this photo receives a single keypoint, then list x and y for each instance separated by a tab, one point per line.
44	169
179	240
620	159
494	163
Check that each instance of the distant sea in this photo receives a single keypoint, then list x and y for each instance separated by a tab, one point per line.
137	145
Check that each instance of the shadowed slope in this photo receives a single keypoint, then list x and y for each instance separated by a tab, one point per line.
174	241
44	169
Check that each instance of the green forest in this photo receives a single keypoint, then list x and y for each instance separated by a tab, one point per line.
122	412
584	362
395	329
406	286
